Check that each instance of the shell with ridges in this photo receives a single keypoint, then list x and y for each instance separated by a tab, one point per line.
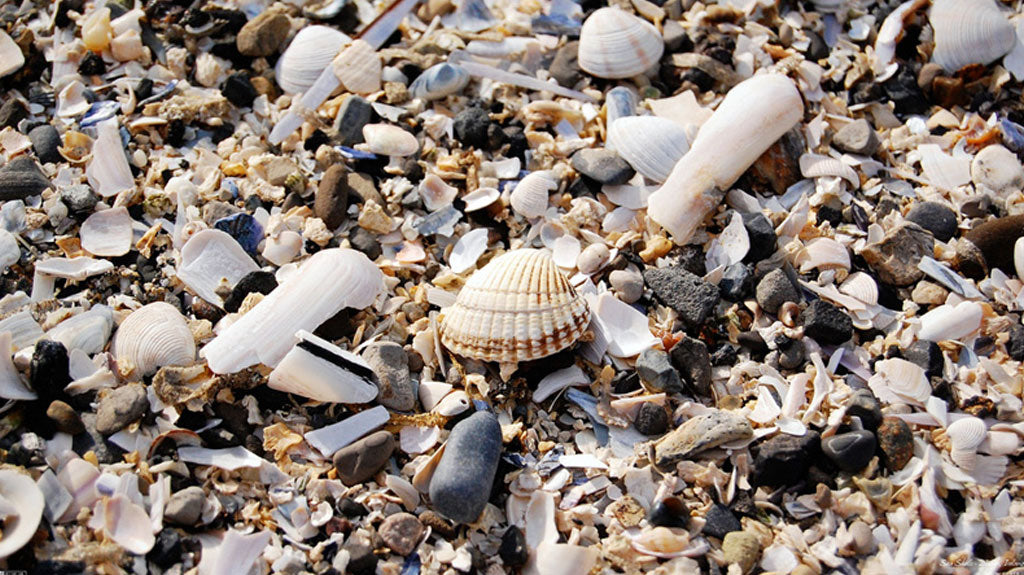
861	286
650	144
312	50
530	196
358	68
616	44
151	337
518	307
969	32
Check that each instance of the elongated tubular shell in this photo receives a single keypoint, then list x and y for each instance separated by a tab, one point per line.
518	307
753	116
327	282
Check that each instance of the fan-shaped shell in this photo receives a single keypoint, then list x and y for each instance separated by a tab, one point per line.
969	32
530	196
650	144
966	433
439	81
21	506
312	50
518	307
861	286
616	44
151	337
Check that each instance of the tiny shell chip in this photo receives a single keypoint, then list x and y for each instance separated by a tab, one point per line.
388	140
518	307
107	233
480	199
468	250
11	58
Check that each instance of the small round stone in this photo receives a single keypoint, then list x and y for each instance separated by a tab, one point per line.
741	548
937	218
896	442
513	550
185	507
669	512
45	141
850	451
628	286
857	137
401	533
390	363
775	289
49	369
65	417
593	258
362	460
331	203
651	419
120	407
863	405
603	166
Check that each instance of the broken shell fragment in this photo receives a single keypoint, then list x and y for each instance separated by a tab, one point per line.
617	44
208	259
518	307
21	508
358	68
951	322
107	233
438	81
326	283
317	369
11	384
151	337
530	196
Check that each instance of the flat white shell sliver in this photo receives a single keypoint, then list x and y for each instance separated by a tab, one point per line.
329	439
319	370
208	257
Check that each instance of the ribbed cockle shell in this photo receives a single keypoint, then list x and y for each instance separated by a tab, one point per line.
151	337
518	307
617	44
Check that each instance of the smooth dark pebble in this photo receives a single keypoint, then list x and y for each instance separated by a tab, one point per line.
669	512
937	218
719	521
513	550
850	451
775	289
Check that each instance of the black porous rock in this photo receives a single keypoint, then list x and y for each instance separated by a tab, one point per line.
257	281
692	297
826	323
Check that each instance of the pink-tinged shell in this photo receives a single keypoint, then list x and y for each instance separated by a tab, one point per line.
518	307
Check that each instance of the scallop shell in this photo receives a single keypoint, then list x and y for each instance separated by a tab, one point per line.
21	508
107	233
616	44
438	81
389	140
312	50
151	337
650	144
530	196
969	32
966	433
861	286
518	307
358	68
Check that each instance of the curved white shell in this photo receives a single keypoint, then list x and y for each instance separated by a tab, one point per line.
518	307
209	257
966	433
616	44
949	322
900	381
88	331
107	233
861	286
969	32
317	369
468	250
432	392
823	253
358	68
11	384
818	166
282	248
438	81
530	196
453	404
11	58
1018	257
312	50
108	171
151	337
127	524
436	193
754	114
389	140
480	198
650	144
22	502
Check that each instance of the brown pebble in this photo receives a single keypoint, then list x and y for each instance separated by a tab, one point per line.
995	238
360	461
896	443
438	524
401	533
265	34
66	418
331	202
949	92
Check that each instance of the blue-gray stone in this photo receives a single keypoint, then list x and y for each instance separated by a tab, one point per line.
244	228
462	481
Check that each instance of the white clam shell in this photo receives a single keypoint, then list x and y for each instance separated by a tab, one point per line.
1018	257
126	523
210	257
11	384
453	404
823	253
480	198
358	68
900	381
329	281
530	196
616	44
966	433
438	81
317	369
151	337
951	322
22	503
312	50
107	233
518	307
108	171
650	144
818	166
11	58
754	114
969	32
389	140
861	286
468	250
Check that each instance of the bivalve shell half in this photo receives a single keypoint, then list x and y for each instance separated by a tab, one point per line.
530	196
107	233
965	435
861	286
616	44
969	32
312	50
21	508
389	140
151	337
650	144
438	81
317	369
358	68
11	58
518	307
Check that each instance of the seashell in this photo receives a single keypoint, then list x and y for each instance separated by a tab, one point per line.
818	166
388	140
439	81
322	371
414	439
88	331
309	53
76	148
329	281
900	381
24	329
969	32
942	170
324	9
650	144
78	268
480	199
518	307
562	559
127	46
966	433
530	196
436	193
559	380
11	384
565	251
823	254
358	68
1018	257
283	248
861	286
329	439
453	404
210	258
71	100
96	30
951	322
107	233
10	251
619	102
662	542
21	509
108	171
470	16
151	337
11	58
431	392
752	117
126	523
1001	443
625	327
617	44
468	250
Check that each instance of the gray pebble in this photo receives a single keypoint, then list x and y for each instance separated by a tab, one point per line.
361	460
651	419
628	285
656	371
937	218
391	364
691	358
401	533
775	289
185	507
692	297
461	484
45	141
603	166
265	34
120	407
565	66
79	198
21	178
857	137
